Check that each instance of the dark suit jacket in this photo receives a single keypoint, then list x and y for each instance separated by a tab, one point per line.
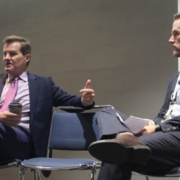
44	94
172	124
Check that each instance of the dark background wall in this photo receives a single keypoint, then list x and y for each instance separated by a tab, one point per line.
122	46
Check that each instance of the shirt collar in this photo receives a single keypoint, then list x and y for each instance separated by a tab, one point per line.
23	77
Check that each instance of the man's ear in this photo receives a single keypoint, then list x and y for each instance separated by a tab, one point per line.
27	58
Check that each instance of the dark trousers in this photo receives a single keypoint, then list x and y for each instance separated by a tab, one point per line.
15	142
165	147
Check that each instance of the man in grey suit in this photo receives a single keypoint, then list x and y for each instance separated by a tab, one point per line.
156	148
26	135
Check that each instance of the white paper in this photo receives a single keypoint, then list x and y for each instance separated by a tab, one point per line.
135	124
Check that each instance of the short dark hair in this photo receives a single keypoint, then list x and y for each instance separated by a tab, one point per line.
25	44
176	16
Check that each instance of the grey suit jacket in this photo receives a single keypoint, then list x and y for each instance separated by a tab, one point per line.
171	124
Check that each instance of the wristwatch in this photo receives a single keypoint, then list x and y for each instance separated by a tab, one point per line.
157	128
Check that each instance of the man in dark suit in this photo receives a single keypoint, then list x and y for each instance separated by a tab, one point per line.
25	135
155	148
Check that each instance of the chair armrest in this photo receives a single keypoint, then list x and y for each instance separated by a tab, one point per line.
80	109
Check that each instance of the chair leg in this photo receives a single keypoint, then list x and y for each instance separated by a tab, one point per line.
37	174
147	178
93	172
21	173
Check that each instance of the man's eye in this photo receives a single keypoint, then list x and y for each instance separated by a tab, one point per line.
175	34
12	54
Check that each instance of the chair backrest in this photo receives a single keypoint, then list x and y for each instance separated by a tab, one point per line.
73	131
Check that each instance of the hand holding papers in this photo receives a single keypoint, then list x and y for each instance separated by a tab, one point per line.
135	124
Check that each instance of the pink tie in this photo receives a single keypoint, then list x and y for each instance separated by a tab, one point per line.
10	94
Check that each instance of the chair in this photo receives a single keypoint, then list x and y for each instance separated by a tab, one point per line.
69	131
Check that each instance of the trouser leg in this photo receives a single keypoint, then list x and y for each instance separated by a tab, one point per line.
165	151
109	124
15	142
115	172
165	155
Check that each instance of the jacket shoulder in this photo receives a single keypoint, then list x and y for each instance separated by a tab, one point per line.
34	76
3	75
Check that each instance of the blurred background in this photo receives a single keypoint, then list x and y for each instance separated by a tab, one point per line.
122	46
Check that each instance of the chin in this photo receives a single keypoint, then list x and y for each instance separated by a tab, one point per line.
8	70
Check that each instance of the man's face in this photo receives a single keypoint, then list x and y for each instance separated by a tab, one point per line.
15	63
175	38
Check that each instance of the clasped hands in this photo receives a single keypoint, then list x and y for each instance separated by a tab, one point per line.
87	94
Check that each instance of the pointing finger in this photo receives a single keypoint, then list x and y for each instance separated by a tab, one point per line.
88	84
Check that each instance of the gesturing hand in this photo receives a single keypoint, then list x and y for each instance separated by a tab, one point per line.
87	93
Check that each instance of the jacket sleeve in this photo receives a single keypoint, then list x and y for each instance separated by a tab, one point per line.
62	98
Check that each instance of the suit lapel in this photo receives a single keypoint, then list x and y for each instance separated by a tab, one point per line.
2	81
33	93
174	83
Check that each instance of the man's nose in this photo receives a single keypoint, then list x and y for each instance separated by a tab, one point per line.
7	56
171	39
